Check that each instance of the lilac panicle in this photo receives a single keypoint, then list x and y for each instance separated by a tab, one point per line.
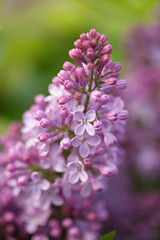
68	144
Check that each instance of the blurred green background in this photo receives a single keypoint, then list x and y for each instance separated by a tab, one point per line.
35	37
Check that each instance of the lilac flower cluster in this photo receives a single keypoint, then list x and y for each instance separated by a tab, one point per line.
143	48
68	144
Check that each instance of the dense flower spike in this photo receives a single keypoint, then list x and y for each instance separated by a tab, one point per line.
68	144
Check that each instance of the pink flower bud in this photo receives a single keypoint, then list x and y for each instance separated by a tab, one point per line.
75	54
123	115
23	180
97	125
110	81
112	116
121	84
90	53
43	137
107	49
67	223
39	114
80	72
62	100
95	96
78	95
116	67
93	33
39	99
87	162
78	43
105	99
86	44
70	85
83	36
64	112
46	123
65	143
103	38
68	66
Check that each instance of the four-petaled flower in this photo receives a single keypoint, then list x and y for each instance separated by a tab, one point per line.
83	141
85	122
76	172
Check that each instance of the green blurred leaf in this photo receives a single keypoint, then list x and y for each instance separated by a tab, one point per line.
108	236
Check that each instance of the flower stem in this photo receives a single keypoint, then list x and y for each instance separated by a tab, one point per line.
89	90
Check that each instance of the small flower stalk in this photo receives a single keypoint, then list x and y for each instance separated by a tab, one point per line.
68	144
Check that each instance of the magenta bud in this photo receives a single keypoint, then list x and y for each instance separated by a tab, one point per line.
65	143
75	54
121	84
97	125
110	81
69	85
103	38
64	112
10	167
107	49
91	216
83	36
43	137
90	53
56	232
109	170
86	44
80	72
78	95
95	96
112	116
73	231
22	180
68	66
101	150
87	162
93	33
62	100
39	114
123	115
67	223
46	123
105	99
78	43
116	67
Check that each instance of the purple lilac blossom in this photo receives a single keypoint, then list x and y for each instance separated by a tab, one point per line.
67	145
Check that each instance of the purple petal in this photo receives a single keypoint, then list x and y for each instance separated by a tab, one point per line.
80	128
93	140
59	164
74	177
72	166
44	184
36	192
83	176
90	129
80	108
90	115
45	163
110	139
35	176
84	150
57	200
79	116
76	141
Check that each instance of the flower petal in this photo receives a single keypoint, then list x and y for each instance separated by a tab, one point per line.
59	164
57	200
84	150
44	184
83	176
80	128
79	116
36	176
90	115
90	129
76	141
72	166
93	140
74	177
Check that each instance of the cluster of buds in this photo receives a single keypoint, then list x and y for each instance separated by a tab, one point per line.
69	144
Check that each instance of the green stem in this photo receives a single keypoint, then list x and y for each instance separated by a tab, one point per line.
89	90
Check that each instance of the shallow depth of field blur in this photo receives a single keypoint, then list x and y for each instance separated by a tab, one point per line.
35	37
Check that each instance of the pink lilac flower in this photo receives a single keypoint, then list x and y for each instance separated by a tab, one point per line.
77	172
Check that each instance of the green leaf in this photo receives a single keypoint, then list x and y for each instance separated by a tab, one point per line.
108	236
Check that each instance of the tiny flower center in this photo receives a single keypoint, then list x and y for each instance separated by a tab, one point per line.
82	139
84	121
79	168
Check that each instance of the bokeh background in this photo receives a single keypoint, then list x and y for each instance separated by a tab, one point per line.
35	37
